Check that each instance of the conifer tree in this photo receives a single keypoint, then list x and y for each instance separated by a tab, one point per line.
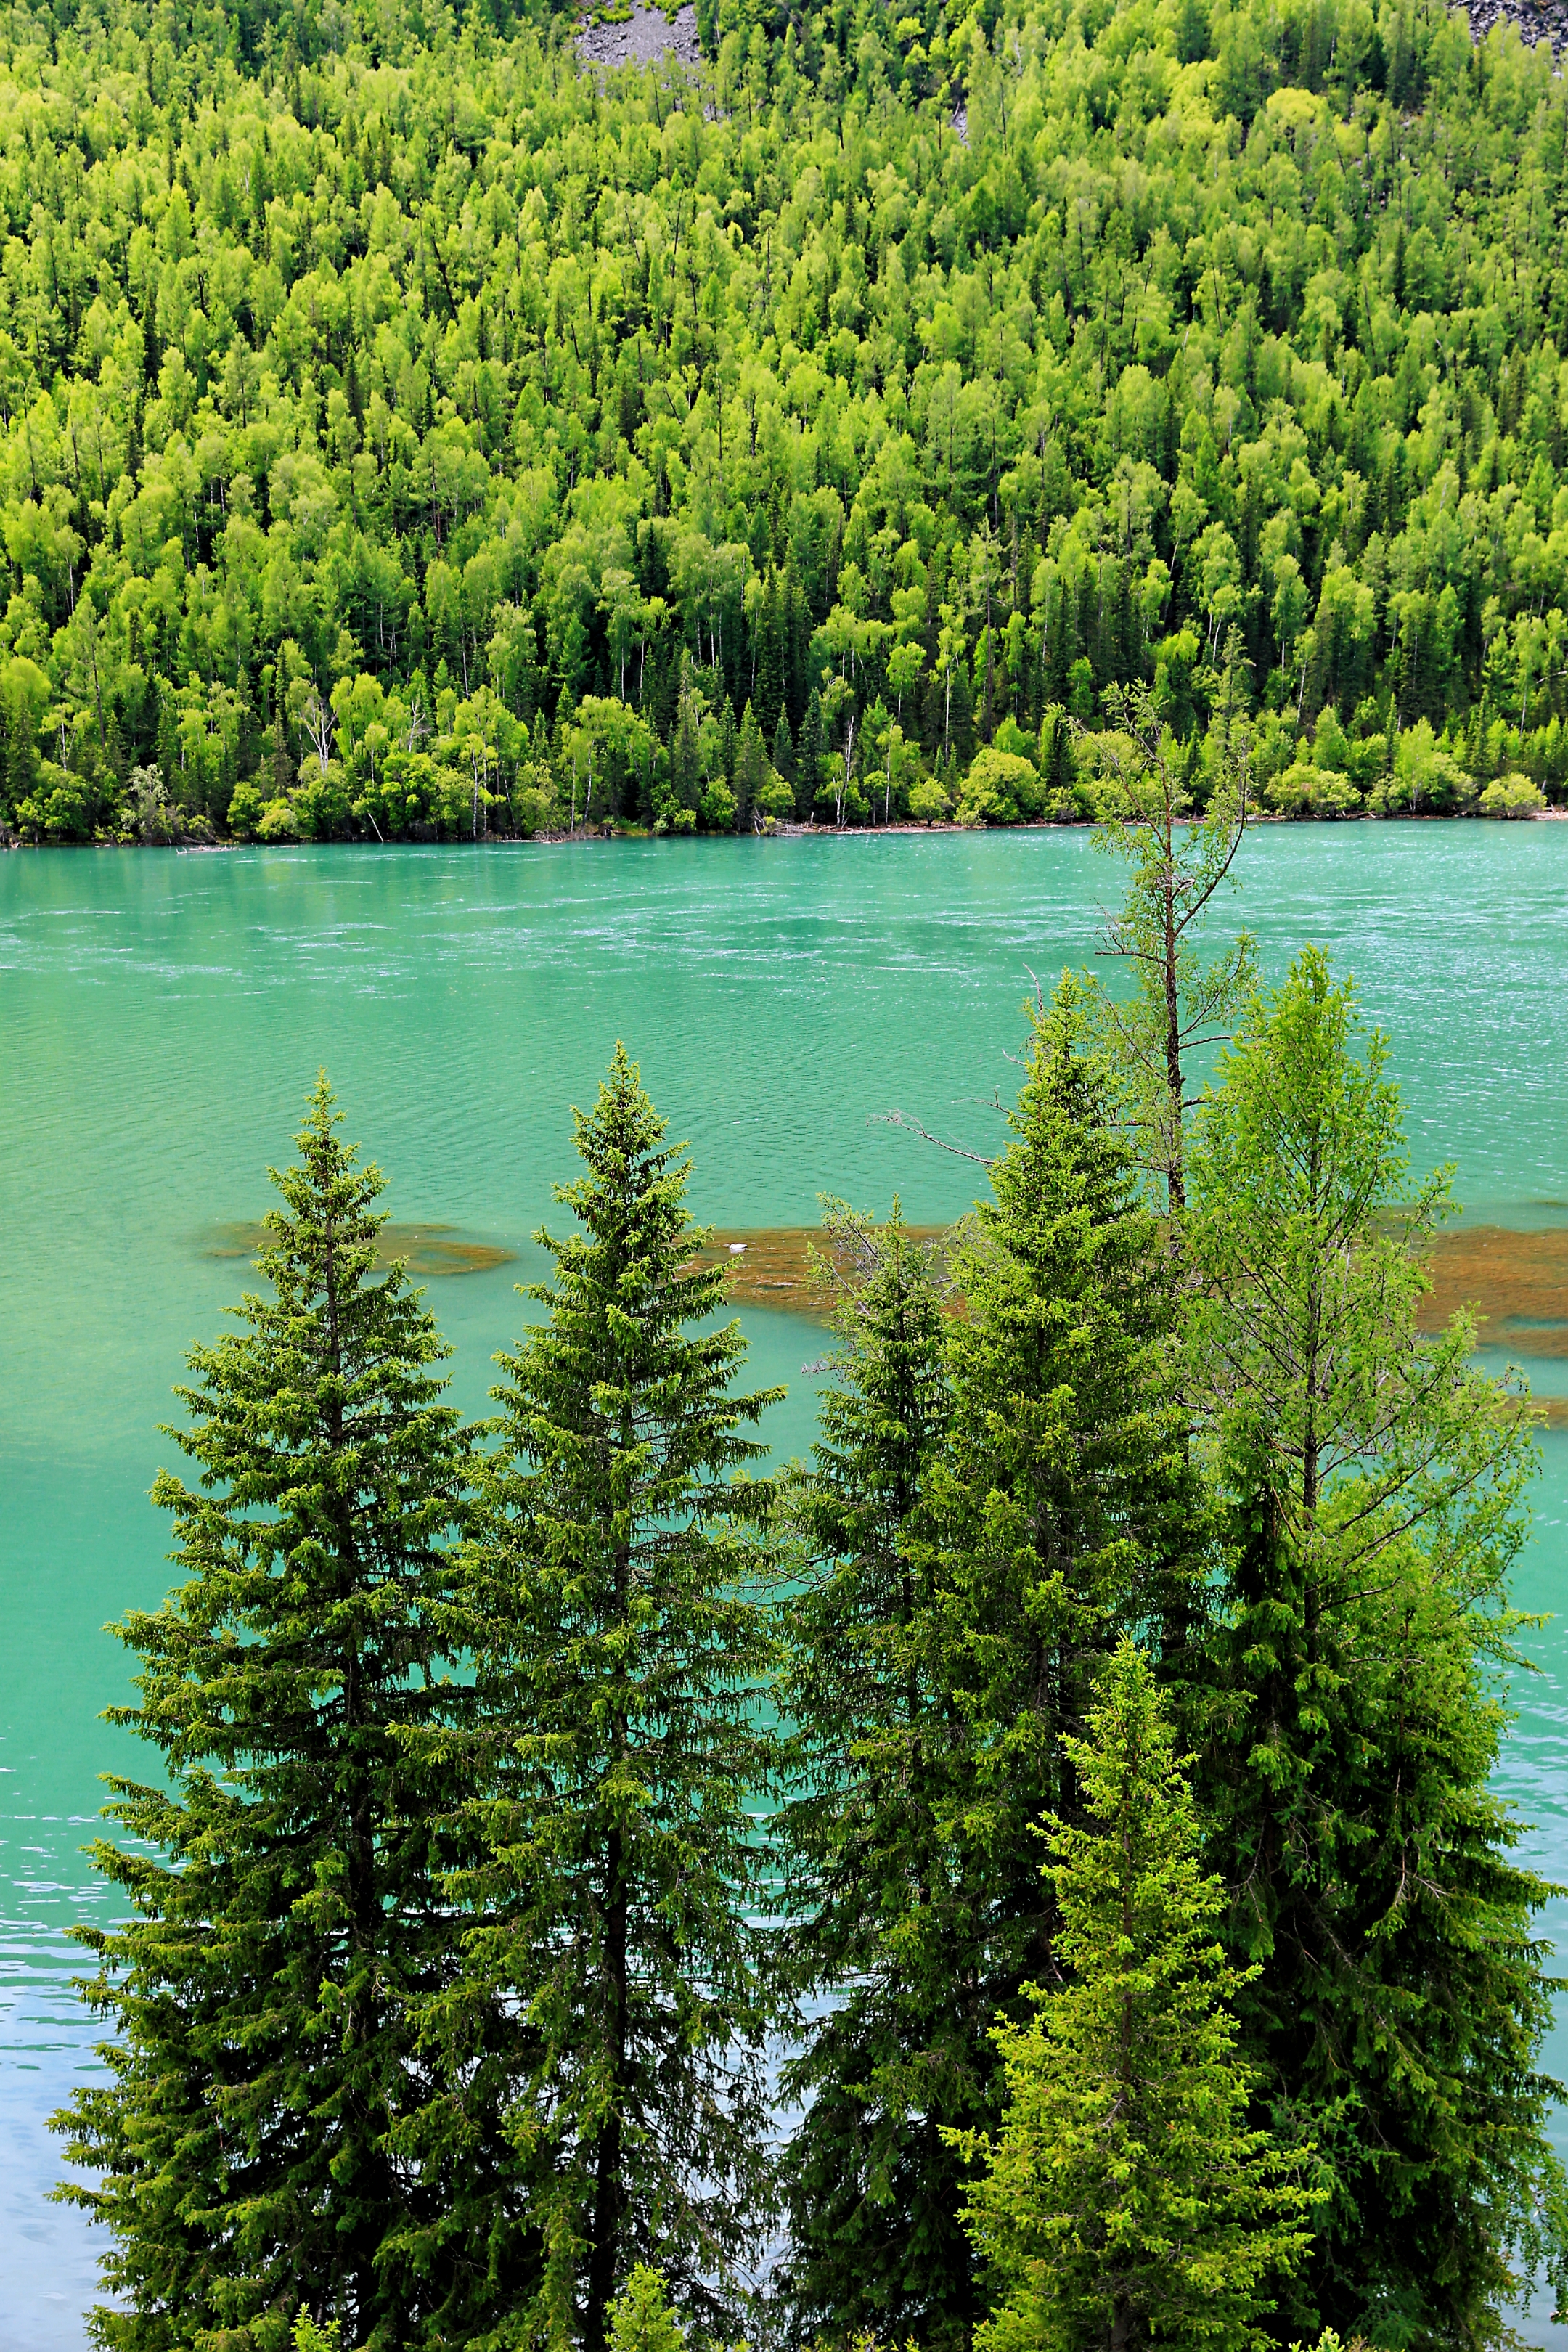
768	694
795	628
619	1650
685	750
1064	1505
783	749
808	764
284	1882
1059	1509
750	770
640	2318
1125	2201
1348	1719
24	693
169	743
1063	1512
872	2218
961	715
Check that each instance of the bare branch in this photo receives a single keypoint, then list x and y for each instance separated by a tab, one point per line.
901	1118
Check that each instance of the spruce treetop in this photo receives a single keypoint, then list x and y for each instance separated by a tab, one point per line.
288	1915
620	1655
1125	2202
1067	1465
330	1472
617	1359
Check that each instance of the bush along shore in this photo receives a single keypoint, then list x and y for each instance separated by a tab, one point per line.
424	436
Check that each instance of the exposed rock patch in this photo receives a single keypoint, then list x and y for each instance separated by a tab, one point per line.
647	36
1548	23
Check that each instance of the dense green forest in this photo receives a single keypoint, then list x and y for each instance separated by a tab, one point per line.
409	433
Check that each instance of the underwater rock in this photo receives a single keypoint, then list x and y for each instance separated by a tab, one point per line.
772	1266
1517	1284
425	1250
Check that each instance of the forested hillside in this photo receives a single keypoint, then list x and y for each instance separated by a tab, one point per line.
409	432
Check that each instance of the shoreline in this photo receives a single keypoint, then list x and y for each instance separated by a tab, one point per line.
780	833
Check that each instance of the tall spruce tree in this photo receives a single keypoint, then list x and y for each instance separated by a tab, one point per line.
284	1883
867	2181
1350	1718
751	771
1065	1506
1125	2200
1058	1510
783	749
768	694
619	1649
811	745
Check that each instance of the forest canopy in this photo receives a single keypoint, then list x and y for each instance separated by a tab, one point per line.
409	432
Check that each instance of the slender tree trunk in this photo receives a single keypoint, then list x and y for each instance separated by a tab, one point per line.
1175	1185
360	1887
364	1906
603	2260
1121	2315
1310	1352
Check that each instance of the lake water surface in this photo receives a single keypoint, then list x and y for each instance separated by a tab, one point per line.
161	1018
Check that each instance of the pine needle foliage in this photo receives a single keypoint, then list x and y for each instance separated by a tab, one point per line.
620	1644
874	2234
641	2319
1125	2202
1064	1512
1349	1710
1064	1509
284	1881
1052	1507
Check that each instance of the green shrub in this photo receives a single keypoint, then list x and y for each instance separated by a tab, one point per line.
1513	795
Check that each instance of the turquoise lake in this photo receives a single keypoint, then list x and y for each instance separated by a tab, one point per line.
161	1016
